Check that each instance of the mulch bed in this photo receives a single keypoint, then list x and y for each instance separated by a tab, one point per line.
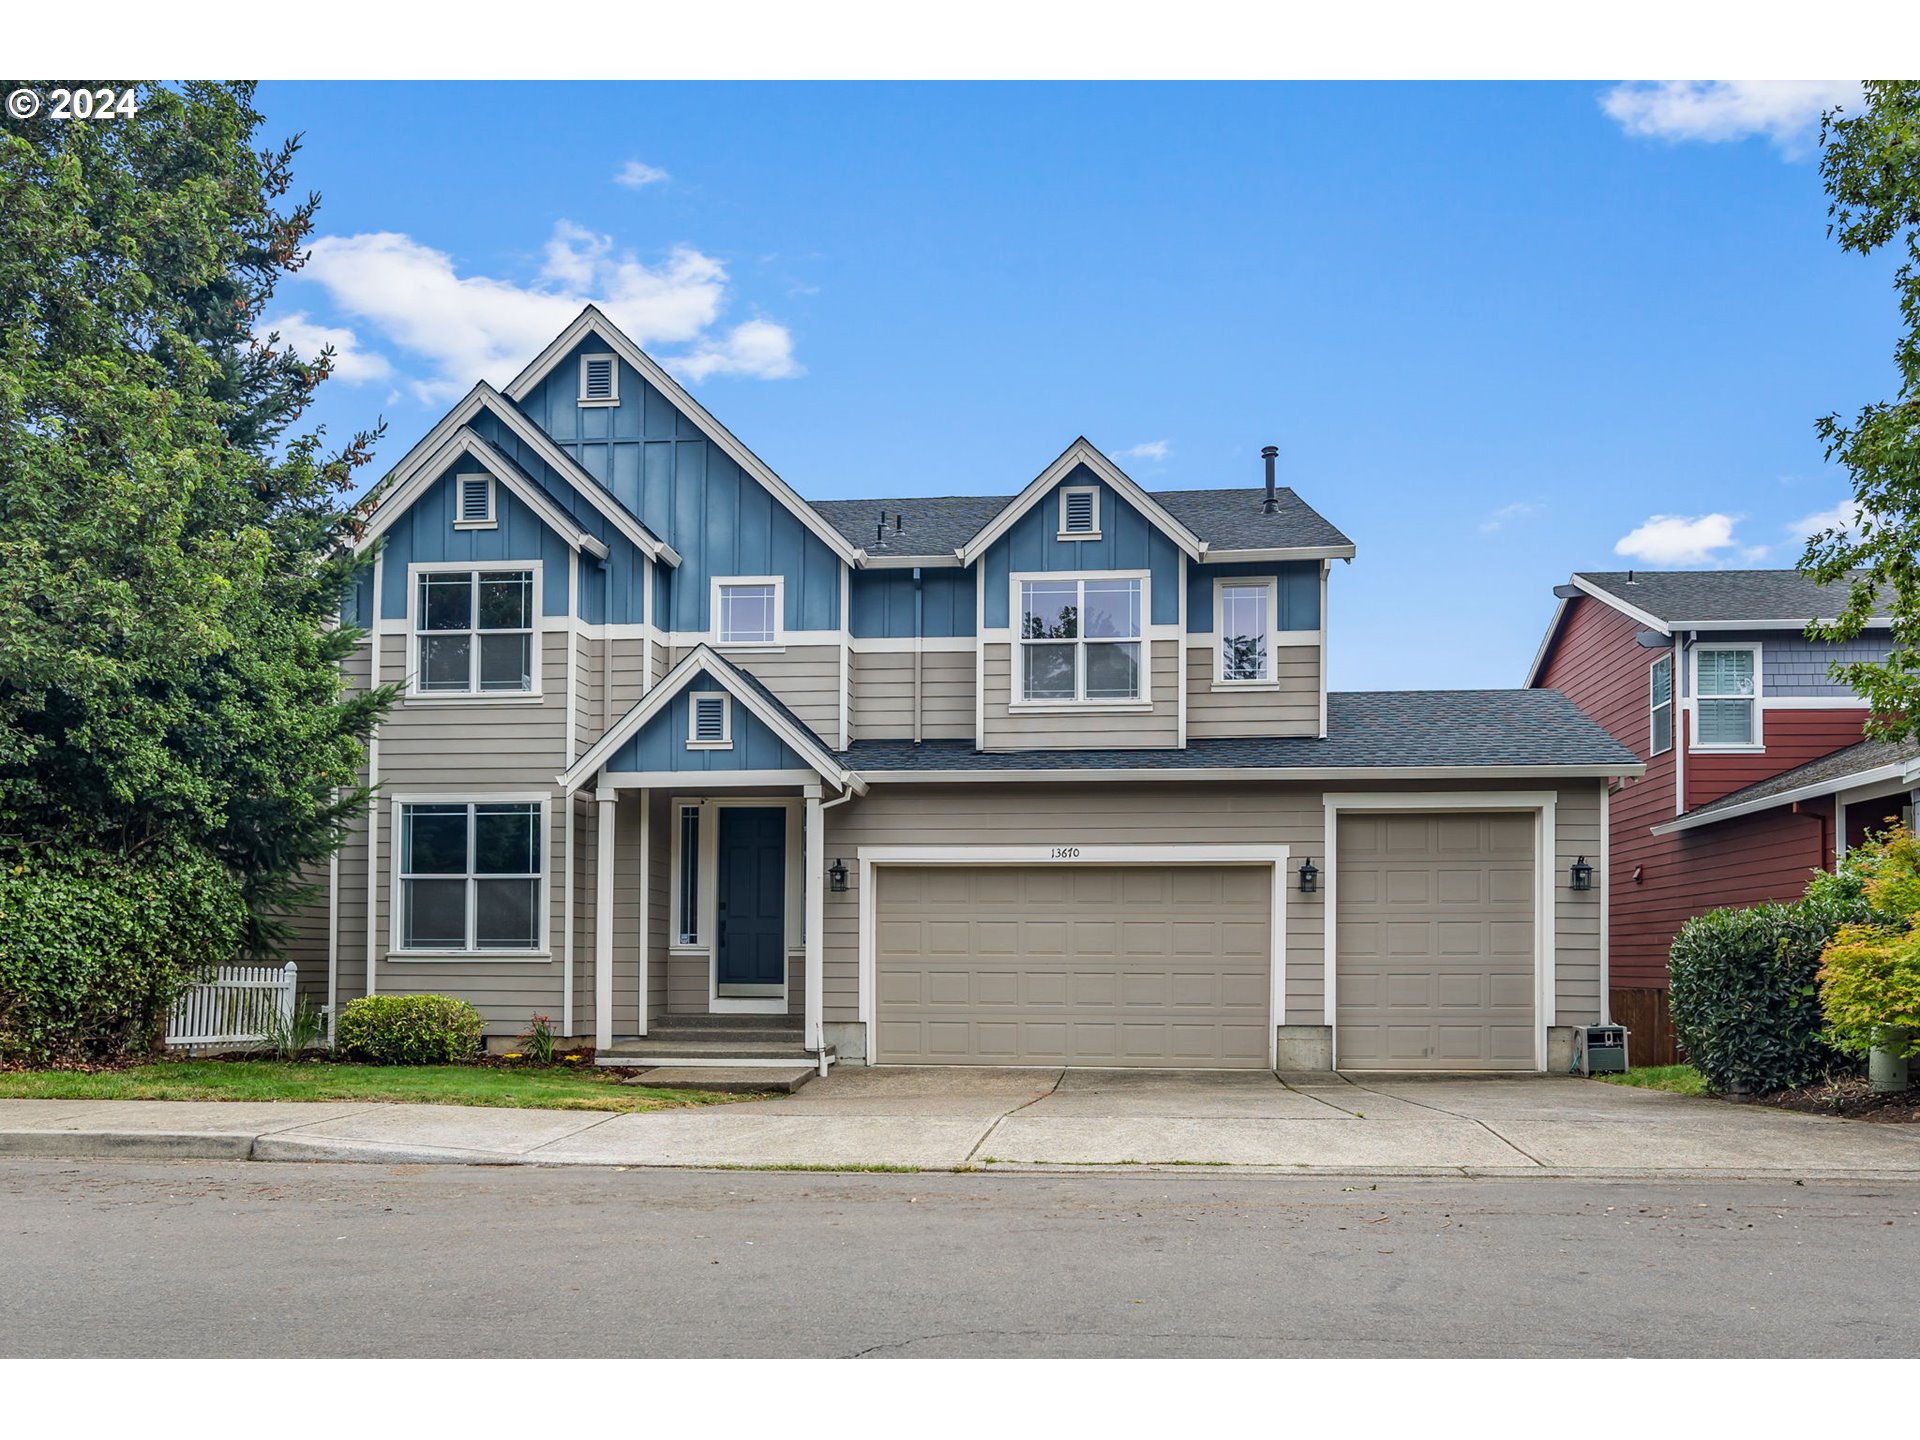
1848	1097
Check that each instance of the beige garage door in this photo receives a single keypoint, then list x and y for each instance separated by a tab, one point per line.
1435	951
1006	965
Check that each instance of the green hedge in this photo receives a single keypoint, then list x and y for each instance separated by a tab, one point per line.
408	1030
95	947
1745	998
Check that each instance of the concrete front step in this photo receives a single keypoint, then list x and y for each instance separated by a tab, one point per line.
681	1053
727	1079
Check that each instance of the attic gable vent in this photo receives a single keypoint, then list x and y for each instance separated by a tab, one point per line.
476	502
599	380
709	727
1080	513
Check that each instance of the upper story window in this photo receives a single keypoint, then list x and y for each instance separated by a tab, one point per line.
1079	512
746	610
470	876
1080	640
1726	682
599	380
1246	620
710	722
473	632
476	503
1660	703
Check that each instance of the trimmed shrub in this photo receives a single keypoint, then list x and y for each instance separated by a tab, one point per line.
1870	971
95	947
1745	998
408	1030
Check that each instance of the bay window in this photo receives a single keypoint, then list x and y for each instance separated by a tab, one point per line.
470	876
1080	640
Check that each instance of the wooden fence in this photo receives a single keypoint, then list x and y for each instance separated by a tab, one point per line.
235	1007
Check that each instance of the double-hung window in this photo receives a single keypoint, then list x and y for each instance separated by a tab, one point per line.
747	612
1726	683
1079	640
1660	703
1246	617
474	632
470	876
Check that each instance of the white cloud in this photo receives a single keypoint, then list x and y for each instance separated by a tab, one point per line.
303	335
1518	510
1154	450
637	175
1847	515
471	327
1687	540
1787	112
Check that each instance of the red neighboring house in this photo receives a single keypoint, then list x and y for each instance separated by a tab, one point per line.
1756	769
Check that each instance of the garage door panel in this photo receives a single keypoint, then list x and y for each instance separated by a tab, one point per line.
1099	965
1435	940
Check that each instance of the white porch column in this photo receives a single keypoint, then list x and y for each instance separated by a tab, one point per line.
646	894
603	923
816	925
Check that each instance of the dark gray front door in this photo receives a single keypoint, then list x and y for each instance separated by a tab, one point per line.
752	884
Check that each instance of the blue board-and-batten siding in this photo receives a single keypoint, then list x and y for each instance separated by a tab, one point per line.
881	603
425	534
661	745
1128	541
690	493
1298	592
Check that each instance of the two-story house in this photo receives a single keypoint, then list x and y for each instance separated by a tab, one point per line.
1756	772
1050	776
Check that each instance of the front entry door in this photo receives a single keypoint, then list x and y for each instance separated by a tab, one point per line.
752	957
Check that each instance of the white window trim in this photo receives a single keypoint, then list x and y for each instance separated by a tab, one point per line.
614	365
541	952
1694	698
1271	584
1141	704
779	641
708	895
1673	705
1064	532
492	520
469	696
725	742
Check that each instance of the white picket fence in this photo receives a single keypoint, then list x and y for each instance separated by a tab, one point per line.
233	1008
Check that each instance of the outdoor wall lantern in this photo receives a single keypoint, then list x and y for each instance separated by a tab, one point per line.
1309	877
837	876
1580	875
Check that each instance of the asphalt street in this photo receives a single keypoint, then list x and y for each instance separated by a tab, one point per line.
216	1258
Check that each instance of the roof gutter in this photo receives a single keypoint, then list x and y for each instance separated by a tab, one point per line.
1231	773
1906	771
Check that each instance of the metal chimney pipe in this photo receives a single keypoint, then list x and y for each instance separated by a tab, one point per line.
1270	453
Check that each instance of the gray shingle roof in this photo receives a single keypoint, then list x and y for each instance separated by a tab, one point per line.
1371	729
941	524
1720	595
1830	772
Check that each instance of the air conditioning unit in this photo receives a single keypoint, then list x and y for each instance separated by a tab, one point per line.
1600	1049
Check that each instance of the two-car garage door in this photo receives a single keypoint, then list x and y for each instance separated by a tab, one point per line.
1073	965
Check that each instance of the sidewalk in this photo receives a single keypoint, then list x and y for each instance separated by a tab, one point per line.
1020	1120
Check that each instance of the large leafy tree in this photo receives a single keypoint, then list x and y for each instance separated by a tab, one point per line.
1871	163
172	554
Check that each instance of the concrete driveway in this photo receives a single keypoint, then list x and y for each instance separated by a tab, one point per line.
1024	1119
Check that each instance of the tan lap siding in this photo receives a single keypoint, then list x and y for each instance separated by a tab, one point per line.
1083	727
883	694
1576	975
805	677
1293	708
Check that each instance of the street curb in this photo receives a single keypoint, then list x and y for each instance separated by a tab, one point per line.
124	1145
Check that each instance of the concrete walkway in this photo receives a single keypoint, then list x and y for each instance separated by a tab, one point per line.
1029	1119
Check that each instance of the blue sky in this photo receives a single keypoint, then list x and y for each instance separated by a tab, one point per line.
1495	329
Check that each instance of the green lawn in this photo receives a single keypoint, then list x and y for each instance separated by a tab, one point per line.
571	1088
1680	1079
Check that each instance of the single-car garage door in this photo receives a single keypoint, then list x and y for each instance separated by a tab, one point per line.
1071	965
1435	948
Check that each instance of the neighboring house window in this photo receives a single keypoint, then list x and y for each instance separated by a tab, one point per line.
1660	698
689	920
1079	512
476	503
470	877
710	723
599	380
1079	640
746	612
1726	683
1246	619
474	632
